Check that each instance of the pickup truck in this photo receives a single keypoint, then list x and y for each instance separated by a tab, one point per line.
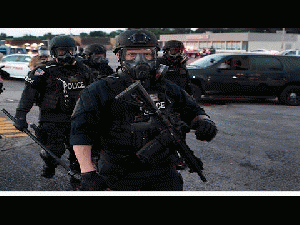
247	75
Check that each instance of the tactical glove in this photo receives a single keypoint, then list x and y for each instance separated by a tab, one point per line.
92	181
206	129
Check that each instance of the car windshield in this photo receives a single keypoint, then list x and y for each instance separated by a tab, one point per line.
207	61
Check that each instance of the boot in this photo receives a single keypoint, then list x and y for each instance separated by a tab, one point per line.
50	165
48	171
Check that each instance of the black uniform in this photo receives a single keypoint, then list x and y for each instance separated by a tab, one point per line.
55	88
178	74
120	129
99	70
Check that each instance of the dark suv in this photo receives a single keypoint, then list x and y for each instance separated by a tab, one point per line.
247	75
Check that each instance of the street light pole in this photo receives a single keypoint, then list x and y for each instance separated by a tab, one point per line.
282	38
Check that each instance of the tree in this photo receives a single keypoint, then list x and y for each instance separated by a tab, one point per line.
83	34
98	34
115	33
3	36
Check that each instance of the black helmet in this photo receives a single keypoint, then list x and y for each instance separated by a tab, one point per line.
136	39
174	52
95	49
65	43
141	66
173	44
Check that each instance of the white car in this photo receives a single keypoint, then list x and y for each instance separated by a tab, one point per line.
17	65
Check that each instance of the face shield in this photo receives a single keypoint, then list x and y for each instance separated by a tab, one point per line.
139	62
98	59
65	55
176	55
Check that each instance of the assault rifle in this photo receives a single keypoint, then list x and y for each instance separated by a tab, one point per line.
137	95
33	137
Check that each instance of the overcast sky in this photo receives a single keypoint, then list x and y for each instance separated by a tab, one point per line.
18	32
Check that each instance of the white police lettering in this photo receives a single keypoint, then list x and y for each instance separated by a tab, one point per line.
29	80
160	105
74	86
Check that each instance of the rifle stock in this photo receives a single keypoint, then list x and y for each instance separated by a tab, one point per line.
136	92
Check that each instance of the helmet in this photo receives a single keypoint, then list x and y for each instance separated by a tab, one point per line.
174	51
67	45
136	39
174	44
140	67
95	49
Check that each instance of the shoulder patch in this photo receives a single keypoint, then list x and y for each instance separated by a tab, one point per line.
39	72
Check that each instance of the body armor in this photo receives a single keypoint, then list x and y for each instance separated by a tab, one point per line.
55	89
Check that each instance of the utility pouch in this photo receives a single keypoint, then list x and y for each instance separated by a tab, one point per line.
156	150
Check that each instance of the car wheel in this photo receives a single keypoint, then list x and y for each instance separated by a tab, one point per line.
197	92
291	96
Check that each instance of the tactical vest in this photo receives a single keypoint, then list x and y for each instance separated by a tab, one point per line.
63	87
132	127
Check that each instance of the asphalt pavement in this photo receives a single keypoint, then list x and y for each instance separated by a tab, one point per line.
256	149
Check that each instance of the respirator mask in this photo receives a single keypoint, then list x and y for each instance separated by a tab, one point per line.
98	59
65	55
139	63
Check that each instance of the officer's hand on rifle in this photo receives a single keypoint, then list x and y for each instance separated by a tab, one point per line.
206	130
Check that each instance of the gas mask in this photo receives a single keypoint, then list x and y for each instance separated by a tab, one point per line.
65	56
176	56
139	63
98	59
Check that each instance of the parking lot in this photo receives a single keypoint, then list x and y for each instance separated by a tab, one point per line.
256	149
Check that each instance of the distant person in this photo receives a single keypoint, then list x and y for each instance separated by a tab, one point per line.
175	58
41	59
95	59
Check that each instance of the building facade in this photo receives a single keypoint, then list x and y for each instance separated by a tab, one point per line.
236	41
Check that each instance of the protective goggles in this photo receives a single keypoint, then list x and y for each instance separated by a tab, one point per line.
175	51
133	54
61	51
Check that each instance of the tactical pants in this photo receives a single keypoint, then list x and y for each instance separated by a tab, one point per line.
56	138
168	180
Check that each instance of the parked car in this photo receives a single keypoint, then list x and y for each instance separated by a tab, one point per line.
290	52
247	75
17	65
264	51
193	53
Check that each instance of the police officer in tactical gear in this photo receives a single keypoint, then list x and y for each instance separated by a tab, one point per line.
120	129
55	88
95	59
175	58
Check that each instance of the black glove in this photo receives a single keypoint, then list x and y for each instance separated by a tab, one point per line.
21	123
206	130
92	181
